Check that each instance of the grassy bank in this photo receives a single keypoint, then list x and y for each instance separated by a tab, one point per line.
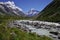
7	33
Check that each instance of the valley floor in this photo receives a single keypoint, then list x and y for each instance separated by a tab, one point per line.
18	31
41	28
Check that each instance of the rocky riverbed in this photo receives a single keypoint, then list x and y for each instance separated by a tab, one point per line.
49	29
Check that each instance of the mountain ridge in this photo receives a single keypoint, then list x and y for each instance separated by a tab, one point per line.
51	12
10	8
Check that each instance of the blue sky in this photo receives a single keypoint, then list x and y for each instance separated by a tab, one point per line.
26	5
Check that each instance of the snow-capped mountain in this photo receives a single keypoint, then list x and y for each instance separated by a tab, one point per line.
32	12
10	8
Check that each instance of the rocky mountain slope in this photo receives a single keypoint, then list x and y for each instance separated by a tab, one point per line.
51	12
10	8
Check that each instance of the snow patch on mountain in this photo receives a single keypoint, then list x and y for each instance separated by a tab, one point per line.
10	8
11	4
32	12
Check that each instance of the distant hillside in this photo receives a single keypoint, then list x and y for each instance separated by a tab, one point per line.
51	12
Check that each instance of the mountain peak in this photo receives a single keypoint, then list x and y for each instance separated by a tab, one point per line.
32	8
9	7
11	4
32	12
